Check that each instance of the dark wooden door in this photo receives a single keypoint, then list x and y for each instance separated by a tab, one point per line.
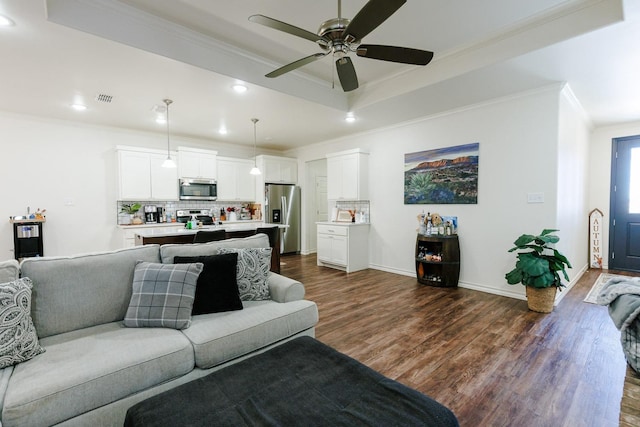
624	235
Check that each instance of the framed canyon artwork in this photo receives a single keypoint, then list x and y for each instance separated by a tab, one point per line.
442	176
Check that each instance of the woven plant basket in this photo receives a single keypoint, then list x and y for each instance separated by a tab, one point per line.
541	299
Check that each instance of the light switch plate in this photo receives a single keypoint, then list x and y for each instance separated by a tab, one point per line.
535	197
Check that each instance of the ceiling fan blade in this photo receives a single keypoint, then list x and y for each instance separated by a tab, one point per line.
347	74
296	64
372	14
288	28
404	55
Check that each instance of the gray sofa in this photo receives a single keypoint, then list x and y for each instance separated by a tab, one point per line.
94	368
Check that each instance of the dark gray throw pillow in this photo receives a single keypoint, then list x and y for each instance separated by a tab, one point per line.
162	295
217	288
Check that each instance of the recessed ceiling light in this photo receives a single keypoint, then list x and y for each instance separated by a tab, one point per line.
350	117
5	21
161	120
239	88
223	130
79	107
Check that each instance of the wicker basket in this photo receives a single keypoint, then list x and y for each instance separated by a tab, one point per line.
541	299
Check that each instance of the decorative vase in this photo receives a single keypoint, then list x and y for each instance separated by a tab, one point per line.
541	300
124	218
231	216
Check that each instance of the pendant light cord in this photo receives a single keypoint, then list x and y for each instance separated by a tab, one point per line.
255	142
168	102
255	170
168	163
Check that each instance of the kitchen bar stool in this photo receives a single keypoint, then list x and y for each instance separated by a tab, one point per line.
204	236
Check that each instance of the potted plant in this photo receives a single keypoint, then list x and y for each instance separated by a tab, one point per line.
538	269
127	212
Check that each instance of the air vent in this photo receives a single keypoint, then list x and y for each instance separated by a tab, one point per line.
101	97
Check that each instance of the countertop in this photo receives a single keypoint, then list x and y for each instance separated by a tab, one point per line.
180	224
177	229
343	224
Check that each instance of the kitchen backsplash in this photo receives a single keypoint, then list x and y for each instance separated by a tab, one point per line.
361	208
170	207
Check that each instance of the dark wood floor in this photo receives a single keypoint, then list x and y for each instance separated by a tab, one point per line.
488	358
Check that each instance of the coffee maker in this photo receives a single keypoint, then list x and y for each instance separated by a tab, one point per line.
160	212
150	214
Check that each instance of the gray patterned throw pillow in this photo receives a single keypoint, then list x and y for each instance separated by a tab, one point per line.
162	295
18	338
252	272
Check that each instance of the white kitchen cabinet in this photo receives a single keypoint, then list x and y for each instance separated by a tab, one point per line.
129	231
234	180
348	175
134	175
343	246
195	163
142	177
164	181
278	170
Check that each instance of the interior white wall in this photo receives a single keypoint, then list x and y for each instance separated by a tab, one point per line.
600	173
572	175
47	162
518	137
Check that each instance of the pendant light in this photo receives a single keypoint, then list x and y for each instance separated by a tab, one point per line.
168	163
254	169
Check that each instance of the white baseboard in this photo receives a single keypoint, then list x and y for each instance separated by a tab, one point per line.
565	290
484	288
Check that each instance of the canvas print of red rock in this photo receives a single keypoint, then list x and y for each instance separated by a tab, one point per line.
442	176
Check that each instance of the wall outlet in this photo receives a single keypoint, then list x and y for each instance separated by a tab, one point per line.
535	197
68	201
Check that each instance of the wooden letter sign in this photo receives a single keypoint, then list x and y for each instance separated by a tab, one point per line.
595	238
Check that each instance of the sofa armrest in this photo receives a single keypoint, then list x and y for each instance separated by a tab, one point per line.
284	289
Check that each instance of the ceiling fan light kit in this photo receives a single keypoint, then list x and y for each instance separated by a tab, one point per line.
341	36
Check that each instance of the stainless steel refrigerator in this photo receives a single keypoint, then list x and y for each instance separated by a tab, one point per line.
282	206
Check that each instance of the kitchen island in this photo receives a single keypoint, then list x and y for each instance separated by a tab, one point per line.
181	235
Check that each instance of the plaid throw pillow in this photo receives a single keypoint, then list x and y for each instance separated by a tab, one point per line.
18	338
252	272
162	295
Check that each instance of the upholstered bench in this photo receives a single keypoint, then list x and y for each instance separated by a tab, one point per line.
302	382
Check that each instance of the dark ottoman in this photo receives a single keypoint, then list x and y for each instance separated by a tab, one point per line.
302	382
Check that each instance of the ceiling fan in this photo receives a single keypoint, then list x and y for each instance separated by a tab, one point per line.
341	36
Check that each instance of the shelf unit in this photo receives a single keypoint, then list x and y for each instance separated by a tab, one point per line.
444	269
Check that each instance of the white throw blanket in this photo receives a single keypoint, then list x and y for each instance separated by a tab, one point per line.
622	295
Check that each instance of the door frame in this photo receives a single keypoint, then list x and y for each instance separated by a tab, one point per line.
613	197
313	168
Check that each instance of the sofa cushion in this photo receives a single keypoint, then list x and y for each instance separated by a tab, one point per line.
9	270
168	252
80	291
219	337
217	288
252	272
86	369
162	295
18	338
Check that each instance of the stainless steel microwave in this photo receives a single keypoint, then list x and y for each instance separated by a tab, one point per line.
198	189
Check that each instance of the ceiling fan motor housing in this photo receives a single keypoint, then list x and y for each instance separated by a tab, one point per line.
333	30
